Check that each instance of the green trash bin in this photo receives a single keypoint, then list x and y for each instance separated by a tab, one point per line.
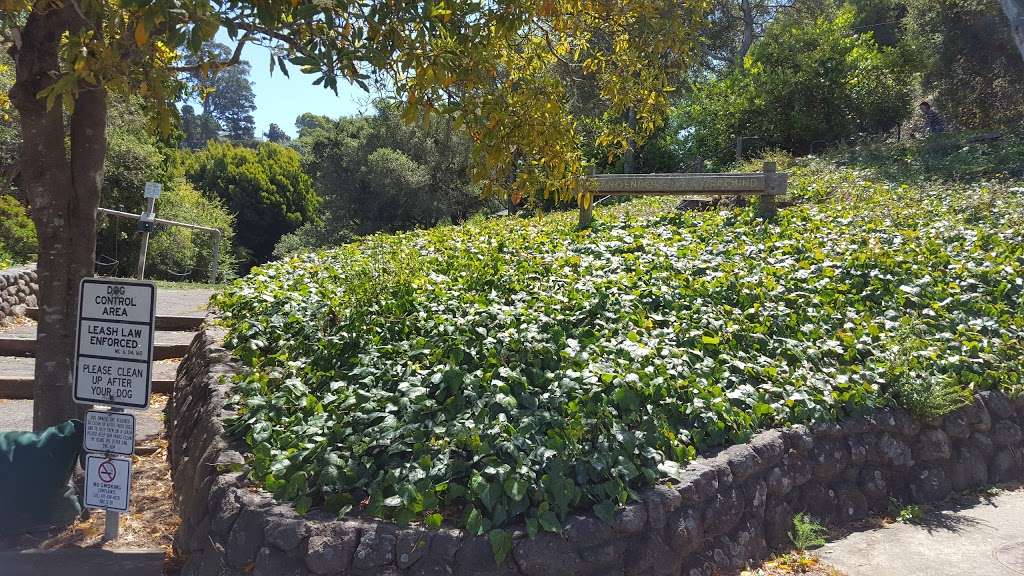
34	473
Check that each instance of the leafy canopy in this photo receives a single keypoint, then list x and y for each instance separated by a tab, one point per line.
492	65
264	187
803	83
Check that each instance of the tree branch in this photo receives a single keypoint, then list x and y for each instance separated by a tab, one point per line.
235	59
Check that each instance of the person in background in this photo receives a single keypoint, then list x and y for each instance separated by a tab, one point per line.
932	121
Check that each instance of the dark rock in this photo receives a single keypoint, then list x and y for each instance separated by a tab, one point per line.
376	547
547	554
743	461
273	562
778	522
956	426
1018	405
851	505
1006	466
430	566
756	493
830	430
894	452
285	533
933	444
858	449
722	470
797	468
905	423
1006	433
589	531
630	519
819	502
830	458
330	548
475	558
769	447
749	542
968	470
209	562
723	512
651	558
697	482
607	558
660	502
884	420
410	546
777	482
929	484
980	443
225	513
977	415
31	301
997	403
445	544
687	532
246	538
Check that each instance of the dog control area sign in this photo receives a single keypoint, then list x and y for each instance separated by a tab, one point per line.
114	354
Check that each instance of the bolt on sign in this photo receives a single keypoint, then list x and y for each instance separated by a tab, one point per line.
107	482
114	354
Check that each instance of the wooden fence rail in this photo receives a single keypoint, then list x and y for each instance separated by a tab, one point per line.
765	185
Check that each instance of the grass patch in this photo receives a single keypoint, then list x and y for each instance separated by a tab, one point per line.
511	371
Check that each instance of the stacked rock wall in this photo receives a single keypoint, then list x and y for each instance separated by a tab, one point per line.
723	511
18	292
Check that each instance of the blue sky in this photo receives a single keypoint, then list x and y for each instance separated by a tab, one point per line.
281	99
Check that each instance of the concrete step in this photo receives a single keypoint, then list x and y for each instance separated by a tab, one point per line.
163	322
21	388
82	562
17	375
168	345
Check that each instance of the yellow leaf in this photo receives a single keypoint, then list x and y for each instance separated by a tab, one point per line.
141	36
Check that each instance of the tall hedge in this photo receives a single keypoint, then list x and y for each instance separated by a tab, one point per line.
265	187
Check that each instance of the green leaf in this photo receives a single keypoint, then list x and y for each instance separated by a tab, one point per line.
434	521
474	523
605	511
501	544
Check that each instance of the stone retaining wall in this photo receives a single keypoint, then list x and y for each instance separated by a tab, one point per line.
18	292
725	510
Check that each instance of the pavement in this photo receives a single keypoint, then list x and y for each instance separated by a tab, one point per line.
980	537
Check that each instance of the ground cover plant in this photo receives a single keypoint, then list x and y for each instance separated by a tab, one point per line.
509	371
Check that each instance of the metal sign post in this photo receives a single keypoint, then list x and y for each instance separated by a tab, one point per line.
114	366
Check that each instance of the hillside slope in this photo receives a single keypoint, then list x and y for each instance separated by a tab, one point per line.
511	370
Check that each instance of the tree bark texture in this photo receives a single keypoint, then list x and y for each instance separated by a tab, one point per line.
1015	12
62	173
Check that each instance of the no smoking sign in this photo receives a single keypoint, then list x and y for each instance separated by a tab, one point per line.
107	482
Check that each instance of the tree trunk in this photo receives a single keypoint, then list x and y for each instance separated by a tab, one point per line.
62	184
748	32
1015	12
629	159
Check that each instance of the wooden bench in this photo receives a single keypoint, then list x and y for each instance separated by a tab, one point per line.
765	185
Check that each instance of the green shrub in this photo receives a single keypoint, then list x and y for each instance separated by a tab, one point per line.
514	370
17	231
265	188
807	533
175	250
802	83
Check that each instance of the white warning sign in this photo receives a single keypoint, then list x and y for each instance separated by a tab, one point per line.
109	432
114	355
107	482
